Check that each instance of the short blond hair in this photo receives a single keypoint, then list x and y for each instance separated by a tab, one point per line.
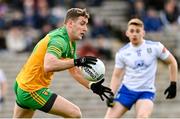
74	13
137	22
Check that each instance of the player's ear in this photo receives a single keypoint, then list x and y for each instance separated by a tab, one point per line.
144	33
70	23
127	33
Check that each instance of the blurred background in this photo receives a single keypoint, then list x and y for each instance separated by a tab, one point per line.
24	22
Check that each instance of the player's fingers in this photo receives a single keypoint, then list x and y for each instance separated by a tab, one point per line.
86	65
165	91
107	89
169	97
91	58
101	97
108	98
109	92
91	62
174	95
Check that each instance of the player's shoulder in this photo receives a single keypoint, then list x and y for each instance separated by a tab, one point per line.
125	47
59	32
151	42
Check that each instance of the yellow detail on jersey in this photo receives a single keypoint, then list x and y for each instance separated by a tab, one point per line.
55	49
38	98
32	76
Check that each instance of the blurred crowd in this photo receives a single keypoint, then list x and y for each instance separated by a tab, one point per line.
156	14
24	22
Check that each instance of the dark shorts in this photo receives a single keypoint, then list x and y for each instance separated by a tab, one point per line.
42	99
128	97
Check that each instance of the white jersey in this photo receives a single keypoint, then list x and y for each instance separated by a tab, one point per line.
140	64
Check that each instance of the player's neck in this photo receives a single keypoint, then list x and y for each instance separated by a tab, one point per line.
138	43
70	34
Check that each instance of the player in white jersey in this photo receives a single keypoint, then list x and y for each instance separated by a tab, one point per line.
134	74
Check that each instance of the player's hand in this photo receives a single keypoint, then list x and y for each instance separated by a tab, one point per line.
85	61
110	100
171	91
100	90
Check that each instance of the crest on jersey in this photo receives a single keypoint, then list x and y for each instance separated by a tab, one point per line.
45	93
149	50
138	52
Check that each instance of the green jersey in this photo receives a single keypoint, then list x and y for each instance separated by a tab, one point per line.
32	77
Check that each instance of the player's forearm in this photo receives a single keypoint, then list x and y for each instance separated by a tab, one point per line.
116	79
173	70
51	63
115	82
58	65
76	74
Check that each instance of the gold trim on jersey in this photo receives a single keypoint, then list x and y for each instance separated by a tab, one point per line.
55	49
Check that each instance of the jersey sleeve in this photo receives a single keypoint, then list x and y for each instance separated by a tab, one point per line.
162	52
119	61
56	46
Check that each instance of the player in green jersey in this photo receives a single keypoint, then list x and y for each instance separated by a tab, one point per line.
55	52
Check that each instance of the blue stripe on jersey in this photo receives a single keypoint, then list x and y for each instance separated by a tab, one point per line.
125	47
151	42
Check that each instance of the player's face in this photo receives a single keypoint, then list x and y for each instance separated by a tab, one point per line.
79	27
135	34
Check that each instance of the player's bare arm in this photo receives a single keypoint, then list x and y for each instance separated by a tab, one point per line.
76	74
116	79
171	61
52	63
172	89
